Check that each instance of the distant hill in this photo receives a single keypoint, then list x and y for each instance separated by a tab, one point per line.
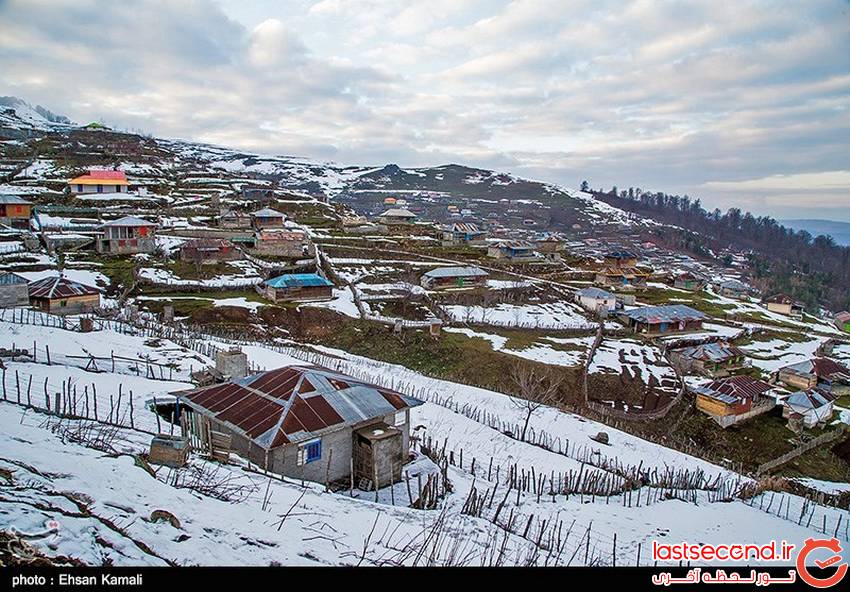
18	114
839	231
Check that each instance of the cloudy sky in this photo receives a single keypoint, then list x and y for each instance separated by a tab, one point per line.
740	103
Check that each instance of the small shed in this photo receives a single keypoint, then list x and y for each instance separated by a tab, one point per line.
301	287
13	290
307	422
730	400
61	296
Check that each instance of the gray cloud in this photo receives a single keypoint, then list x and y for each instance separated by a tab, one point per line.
693	97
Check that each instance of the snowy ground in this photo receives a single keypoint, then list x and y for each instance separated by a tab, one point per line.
60	476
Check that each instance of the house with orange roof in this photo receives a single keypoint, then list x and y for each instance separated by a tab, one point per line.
99	181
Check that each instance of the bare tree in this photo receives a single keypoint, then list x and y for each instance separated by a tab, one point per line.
536	387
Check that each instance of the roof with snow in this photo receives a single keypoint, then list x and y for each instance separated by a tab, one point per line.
294	403
734	285
594	292
734	389
669	313
620	255
298	280
7	199
129	221
451	272
59	287
100	177
717	351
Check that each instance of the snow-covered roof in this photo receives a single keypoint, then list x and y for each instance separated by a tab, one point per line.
451	272
294	404
820	367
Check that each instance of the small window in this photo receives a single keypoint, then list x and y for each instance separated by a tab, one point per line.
100	188
79	188
63	303
309	452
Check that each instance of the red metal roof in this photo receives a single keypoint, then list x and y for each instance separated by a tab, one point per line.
59	287
740	387
294	403
106	175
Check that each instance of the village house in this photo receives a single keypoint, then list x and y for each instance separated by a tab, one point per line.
735	289
284	242
715	360
127	236
784	304
596	300
670	318
811	407
464	233
620	271
13	290
234	219
551	246
689	281
15	212
842	321
209	251
733	399
300	287
267	218
397	216
821	373
453	277
60	296
308	422
99	181
514	251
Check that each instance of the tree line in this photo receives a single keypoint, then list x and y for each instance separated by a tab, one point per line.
813	269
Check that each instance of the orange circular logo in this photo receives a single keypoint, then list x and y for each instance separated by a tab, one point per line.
813	545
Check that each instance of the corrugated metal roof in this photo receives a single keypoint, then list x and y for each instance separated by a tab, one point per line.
398	213
98	176
7	199
7	278
59	287
620	255
467	227
820	367
129	221
711	352
594	292
298	280
734	389
294	403
206	243
268	213
450	272
669	313
810	399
